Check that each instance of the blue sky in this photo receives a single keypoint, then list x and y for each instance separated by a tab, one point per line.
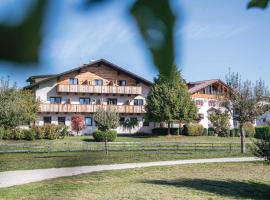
211	37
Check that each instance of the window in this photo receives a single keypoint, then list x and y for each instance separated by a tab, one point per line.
111	101
212	103
55	99
122	120
73	81
98	82
84	100
199	102
88	121
122	82
47	120
138	102
61	120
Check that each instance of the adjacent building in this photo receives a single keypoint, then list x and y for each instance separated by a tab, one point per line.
101	83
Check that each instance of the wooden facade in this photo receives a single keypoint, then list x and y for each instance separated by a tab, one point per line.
88	74
79	108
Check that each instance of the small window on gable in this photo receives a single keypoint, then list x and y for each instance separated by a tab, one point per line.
98	82
122	82
73	81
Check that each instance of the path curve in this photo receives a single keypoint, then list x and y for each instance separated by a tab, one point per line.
11	178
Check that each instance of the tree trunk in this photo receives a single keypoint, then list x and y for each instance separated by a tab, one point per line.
169	128
106	147
242	136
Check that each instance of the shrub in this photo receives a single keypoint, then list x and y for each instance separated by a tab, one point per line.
29	134
249	129
262	149
63	131
236	132
16	134
205	132
100	136
193	130
232	133
51	131
1	132
164	131
39	131
111	135
211	131
262	132
224	133
6	134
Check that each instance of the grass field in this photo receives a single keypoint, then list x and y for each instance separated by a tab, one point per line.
16	161
173	138
197	181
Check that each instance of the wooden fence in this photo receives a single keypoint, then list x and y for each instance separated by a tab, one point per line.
118	146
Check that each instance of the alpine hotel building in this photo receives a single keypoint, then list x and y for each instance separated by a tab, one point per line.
101	83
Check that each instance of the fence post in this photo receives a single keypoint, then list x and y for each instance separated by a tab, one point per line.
195	144
230	147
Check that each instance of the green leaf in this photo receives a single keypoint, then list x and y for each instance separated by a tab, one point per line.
258	4
156	21
21	43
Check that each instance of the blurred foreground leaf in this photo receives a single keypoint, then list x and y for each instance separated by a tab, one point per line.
155	21
20	43
258	4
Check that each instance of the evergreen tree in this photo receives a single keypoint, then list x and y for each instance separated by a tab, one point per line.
169	100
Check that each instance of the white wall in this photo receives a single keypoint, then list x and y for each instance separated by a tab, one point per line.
204	110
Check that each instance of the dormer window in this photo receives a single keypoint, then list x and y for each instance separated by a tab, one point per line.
138	102
73	81
122	82
98	82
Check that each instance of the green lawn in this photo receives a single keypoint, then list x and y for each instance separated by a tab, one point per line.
197	181
120	138
16	161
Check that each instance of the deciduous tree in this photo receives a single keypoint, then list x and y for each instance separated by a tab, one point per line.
245	101
77	123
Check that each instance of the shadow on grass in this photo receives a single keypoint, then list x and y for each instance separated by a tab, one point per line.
88	140
230	188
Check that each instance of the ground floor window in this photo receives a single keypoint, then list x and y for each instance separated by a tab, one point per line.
122	120
88	121
61	120
47	120
55	99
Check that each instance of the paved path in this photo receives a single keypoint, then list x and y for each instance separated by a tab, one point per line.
11	178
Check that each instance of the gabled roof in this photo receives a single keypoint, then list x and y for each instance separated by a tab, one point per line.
101	61
31	78
197	86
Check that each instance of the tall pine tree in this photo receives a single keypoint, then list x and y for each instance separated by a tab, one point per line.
169	100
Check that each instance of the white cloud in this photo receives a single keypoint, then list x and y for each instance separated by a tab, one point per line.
197	31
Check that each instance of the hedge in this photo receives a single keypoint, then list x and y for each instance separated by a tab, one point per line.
164	131
49	131
100	136
193	130
262	132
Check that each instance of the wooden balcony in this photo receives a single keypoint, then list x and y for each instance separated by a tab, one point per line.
78	108
104	89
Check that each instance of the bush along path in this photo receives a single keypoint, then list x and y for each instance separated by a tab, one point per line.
12	178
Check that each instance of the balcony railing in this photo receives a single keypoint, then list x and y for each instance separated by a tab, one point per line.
104	89
78	108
